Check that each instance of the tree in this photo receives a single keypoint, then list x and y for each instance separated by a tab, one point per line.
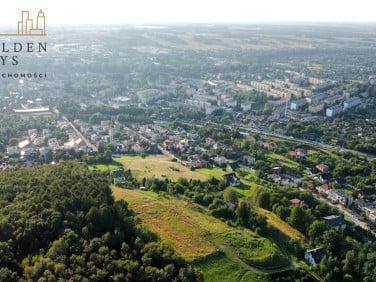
316	230
298	218
242	213
230	195
263	200
332	241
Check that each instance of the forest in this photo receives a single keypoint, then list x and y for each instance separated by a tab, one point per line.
60	222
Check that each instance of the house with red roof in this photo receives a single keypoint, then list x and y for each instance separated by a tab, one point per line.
325	188
296	201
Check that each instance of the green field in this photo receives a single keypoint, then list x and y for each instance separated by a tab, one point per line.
283	161
199	237
175	220
158	166
218	267
255	276
103	167
212	172
256	251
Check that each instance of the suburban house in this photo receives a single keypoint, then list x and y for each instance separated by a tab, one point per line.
338	222
195	161
249	160
314	256
322	168
233	166
298	153
313	172
325	177
13	150
219	161
118	175
325	188
231	179
269	145
340	197
368	208
296	201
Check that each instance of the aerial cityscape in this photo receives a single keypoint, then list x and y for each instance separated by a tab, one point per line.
188	151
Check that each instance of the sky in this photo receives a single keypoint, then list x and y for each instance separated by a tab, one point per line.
70	12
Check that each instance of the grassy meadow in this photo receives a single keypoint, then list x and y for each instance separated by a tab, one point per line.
221	252
156	166
176	221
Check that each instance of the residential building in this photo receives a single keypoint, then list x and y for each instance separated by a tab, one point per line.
334	99
27	152
323	189
296	201
340	197
322	168
338	222
118	175
316	107
333	111
350	103
231	179
297	104
12	151
249	160
314	256
219	160
53	143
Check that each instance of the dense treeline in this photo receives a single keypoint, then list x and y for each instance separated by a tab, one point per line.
95	114
61	223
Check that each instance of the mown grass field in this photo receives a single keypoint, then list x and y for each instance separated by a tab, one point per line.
212	172
156	166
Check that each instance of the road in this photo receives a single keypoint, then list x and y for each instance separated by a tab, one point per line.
79	134
304	141
248	130
353	216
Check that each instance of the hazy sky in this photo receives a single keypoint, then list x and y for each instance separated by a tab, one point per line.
64	12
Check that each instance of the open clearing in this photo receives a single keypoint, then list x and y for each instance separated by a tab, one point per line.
156	166
176	221
190	230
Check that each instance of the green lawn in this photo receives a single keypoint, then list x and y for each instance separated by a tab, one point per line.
212	172
103	167
285	162
127	158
